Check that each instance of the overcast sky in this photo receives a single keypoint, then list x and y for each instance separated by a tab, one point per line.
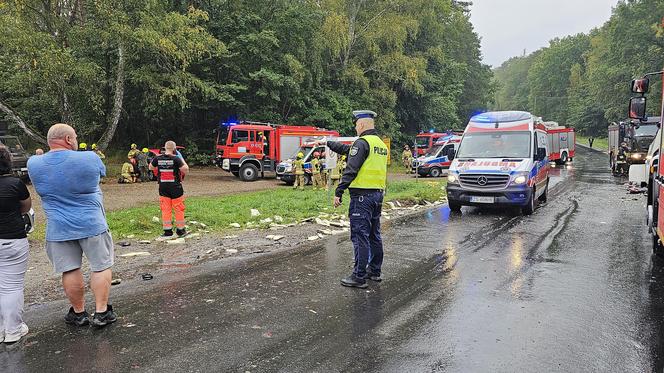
507	27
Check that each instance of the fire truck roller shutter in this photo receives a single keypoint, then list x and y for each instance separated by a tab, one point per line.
550	141
288	146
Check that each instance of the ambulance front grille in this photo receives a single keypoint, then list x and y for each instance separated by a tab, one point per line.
281	169
488	181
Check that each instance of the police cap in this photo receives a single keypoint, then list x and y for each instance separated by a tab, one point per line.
359	114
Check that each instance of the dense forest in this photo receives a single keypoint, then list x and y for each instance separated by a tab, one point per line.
583	80
123	71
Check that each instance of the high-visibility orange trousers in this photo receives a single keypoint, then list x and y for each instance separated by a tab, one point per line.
168	205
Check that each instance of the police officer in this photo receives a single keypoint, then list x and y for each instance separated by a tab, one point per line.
365	178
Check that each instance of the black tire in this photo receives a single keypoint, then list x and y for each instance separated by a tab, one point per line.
657	247
563	158
307	179
454	205
248	172
530	207
544	195
435	172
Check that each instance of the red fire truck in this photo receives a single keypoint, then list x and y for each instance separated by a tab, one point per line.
249	149
561	142
655	203
425	140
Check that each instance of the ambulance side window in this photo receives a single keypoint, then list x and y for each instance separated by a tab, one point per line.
446	150
252	136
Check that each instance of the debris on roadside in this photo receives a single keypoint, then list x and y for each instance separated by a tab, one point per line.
144	242
116	281
124	243
147	276
278	219
313	238
176	241
322	222
255	213
274	237
234	225
156	219
231	251
229	237
135	253
266	220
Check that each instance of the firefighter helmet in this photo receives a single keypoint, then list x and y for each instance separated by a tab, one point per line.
146	150
134	146
300	155
93	146
83	146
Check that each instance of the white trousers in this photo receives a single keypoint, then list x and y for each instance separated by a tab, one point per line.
13	264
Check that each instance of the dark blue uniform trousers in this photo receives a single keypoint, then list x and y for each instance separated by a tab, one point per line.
365	233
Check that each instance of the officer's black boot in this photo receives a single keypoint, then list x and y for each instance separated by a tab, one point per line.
373	277
354	282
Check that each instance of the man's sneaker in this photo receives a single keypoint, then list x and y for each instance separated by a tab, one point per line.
168	235
15	336
78	319
354	282
104	318
181	232
373	277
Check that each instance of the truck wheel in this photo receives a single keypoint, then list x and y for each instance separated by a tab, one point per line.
543	197
530	207
454	205
307	179
563	158
435	172
657	247
249	172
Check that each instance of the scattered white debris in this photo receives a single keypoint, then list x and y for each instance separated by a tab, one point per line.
202	225
131	236
209	300
135	253
176	241
255	213
231	251
278	219
193	235
266	220
193	222
325	232
229	237
321	235
234	225
392	205
312	311
209	251
144	242
156	219
313	238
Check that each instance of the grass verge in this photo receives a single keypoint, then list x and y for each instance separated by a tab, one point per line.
219	212
600	143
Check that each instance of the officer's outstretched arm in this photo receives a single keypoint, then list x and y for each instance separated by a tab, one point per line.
339	148
357	154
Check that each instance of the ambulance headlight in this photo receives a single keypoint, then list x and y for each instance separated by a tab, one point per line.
636	156
288	168
452	178
520	179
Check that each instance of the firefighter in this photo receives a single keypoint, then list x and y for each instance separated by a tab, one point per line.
298	170
127	173
407	159
82	147
142	160
133	151
99	153
324	174
315	172
337	171
365	178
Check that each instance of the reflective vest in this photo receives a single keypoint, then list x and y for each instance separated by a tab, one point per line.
373	173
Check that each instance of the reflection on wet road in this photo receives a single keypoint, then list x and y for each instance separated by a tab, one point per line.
570	288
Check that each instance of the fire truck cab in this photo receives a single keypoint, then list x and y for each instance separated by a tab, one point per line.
249	149
426	140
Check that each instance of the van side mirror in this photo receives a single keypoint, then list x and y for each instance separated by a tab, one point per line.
541	154
451	154
637	108
640	85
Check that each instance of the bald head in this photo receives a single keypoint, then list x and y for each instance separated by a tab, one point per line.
170	147
364	124
61	137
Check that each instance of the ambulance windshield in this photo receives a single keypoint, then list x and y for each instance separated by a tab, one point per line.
495	145
422	141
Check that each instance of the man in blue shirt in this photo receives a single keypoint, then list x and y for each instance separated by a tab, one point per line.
68	184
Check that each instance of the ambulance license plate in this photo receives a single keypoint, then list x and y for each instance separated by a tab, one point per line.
478	199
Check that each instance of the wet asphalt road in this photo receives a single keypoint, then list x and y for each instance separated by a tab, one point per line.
571	288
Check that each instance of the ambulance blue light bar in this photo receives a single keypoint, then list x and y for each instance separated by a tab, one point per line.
501	116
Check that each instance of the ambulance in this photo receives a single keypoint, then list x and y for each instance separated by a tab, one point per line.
502	160
437	159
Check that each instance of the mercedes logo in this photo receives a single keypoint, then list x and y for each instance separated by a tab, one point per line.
482	180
